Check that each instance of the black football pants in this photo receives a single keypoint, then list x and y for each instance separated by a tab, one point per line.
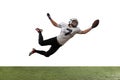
52	41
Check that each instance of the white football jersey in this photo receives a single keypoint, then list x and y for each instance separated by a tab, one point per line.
66	33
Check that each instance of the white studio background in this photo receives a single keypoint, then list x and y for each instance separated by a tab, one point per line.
19	18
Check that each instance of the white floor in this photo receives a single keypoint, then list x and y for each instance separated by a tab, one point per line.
19	18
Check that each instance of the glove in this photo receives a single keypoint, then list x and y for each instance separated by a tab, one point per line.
95	23
48	15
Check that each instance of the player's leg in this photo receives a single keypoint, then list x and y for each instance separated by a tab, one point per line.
51	51
36	51
41	41
54	47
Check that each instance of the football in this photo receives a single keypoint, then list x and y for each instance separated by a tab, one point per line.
95	23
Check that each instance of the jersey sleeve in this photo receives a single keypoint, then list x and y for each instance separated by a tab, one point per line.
78	30
62	25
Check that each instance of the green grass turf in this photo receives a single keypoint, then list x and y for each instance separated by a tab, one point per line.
59	73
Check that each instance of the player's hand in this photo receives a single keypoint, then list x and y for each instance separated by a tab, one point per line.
95	23
49	16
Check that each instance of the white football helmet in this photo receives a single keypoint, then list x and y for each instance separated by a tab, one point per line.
71	21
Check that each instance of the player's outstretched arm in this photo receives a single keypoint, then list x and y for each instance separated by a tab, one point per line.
52	21
94	25
85	31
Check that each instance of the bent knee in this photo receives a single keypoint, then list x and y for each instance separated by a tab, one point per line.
41	43
46	55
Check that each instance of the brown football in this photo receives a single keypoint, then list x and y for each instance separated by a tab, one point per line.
95	23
